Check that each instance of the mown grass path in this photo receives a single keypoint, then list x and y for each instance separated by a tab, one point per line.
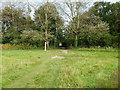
79	68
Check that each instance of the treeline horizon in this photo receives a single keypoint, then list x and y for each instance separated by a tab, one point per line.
97	26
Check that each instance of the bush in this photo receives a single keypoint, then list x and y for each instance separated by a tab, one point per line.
20	46
25	46
6	46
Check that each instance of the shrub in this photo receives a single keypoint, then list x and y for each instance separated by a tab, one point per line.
6	46
20	46
25	46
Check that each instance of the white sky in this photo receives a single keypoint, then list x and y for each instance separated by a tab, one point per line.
57	0
92	1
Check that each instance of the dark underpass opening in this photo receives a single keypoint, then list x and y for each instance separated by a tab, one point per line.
64	45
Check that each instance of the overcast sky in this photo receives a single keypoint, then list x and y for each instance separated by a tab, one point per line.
59	0
92	1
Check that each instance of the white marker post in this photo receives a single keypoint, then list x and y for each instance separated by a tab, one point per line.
45	46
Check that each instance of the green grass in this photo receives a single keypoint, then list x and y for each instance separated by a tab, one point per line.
81	68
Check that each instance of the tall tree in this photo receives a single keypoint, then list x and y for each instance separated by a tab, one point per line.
91	29
109	12
48	21
15	20
74	9
12	22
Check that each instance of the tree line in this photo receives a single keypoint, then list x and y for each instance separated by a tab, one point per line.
97	26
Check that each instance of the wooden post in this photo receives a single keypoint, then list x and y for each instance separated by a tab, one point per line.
45	46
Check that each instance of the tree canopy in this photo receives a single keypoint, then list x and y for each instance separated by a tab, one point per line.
98	26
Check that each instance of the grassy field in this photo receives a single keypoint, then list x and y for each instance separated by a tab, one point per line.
80	68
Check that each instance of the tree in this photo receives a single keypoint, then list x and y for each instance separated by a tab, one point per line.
12	22
75	9
47	20
92	31
109	12
32	37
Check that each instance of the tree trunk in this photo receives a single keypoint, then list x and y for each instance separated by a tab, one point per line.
47	43
55	42
76	41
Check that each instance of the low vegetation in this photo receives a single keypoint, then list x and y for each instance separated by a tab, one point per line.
83	68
